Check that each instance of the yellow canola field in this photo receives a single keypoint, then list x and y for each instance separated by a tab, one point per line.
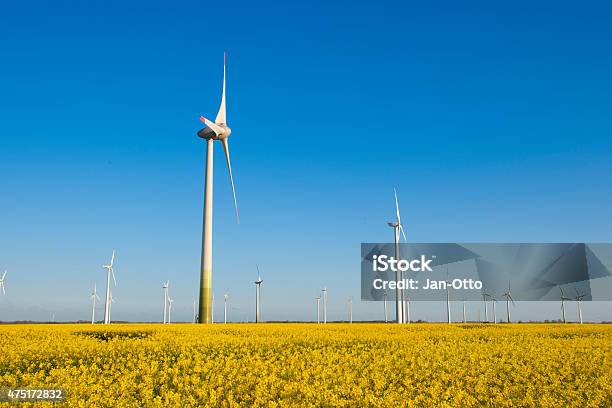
289	365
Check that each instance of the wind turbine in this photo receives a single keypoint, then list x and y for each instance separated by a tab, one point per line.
578	299
563	299
484	300
508	297
165	287
324	305
170	301
217	130
385	304
463	304
407	314
350	309
2	283
225	297
258	283
110	272
318	299
494	314
94	297
397	228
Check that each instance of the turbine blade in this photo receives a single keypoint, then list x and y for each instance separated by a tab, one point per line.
112	259
221	119
397	211
217	129
229	167
113	273
401	227
3	275
3	291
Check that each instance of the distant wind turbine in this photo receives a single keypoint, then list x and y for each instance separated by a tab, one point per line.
94	297
385	305
579	297
397	228
258	283
110	272
494	313
325	305
563	299
463	305
2	283
448	306
318	299
194	312
112	300
217	130
484	301
350	309
225	297
508	296
165	287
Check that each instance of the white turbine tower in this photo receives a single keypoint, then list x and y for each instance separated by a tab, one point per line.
407	314
225	297
324	305
217	130
94	297
170	301
494	313
258	283
112	300
463	307
165	287
350	309
579	297
110	272
397	227
318	299
385	305
484	300
509	298
194	312
2	283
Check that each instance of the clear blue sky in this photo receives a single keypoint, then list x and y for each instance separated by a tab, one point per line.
492	120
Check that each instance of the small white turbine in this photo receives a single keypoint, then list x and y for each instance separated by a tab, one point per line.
324	305
225	297
2	283
94	297
110	272
165	287
578	299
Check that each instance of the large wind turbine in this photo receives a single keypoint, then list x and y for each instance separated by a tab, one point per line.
94	297
217	130
318	299
110	272
2	283
397	227
258	283
165	287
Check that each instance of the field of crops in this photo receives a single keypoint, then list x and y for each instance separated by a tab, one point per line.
312	365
